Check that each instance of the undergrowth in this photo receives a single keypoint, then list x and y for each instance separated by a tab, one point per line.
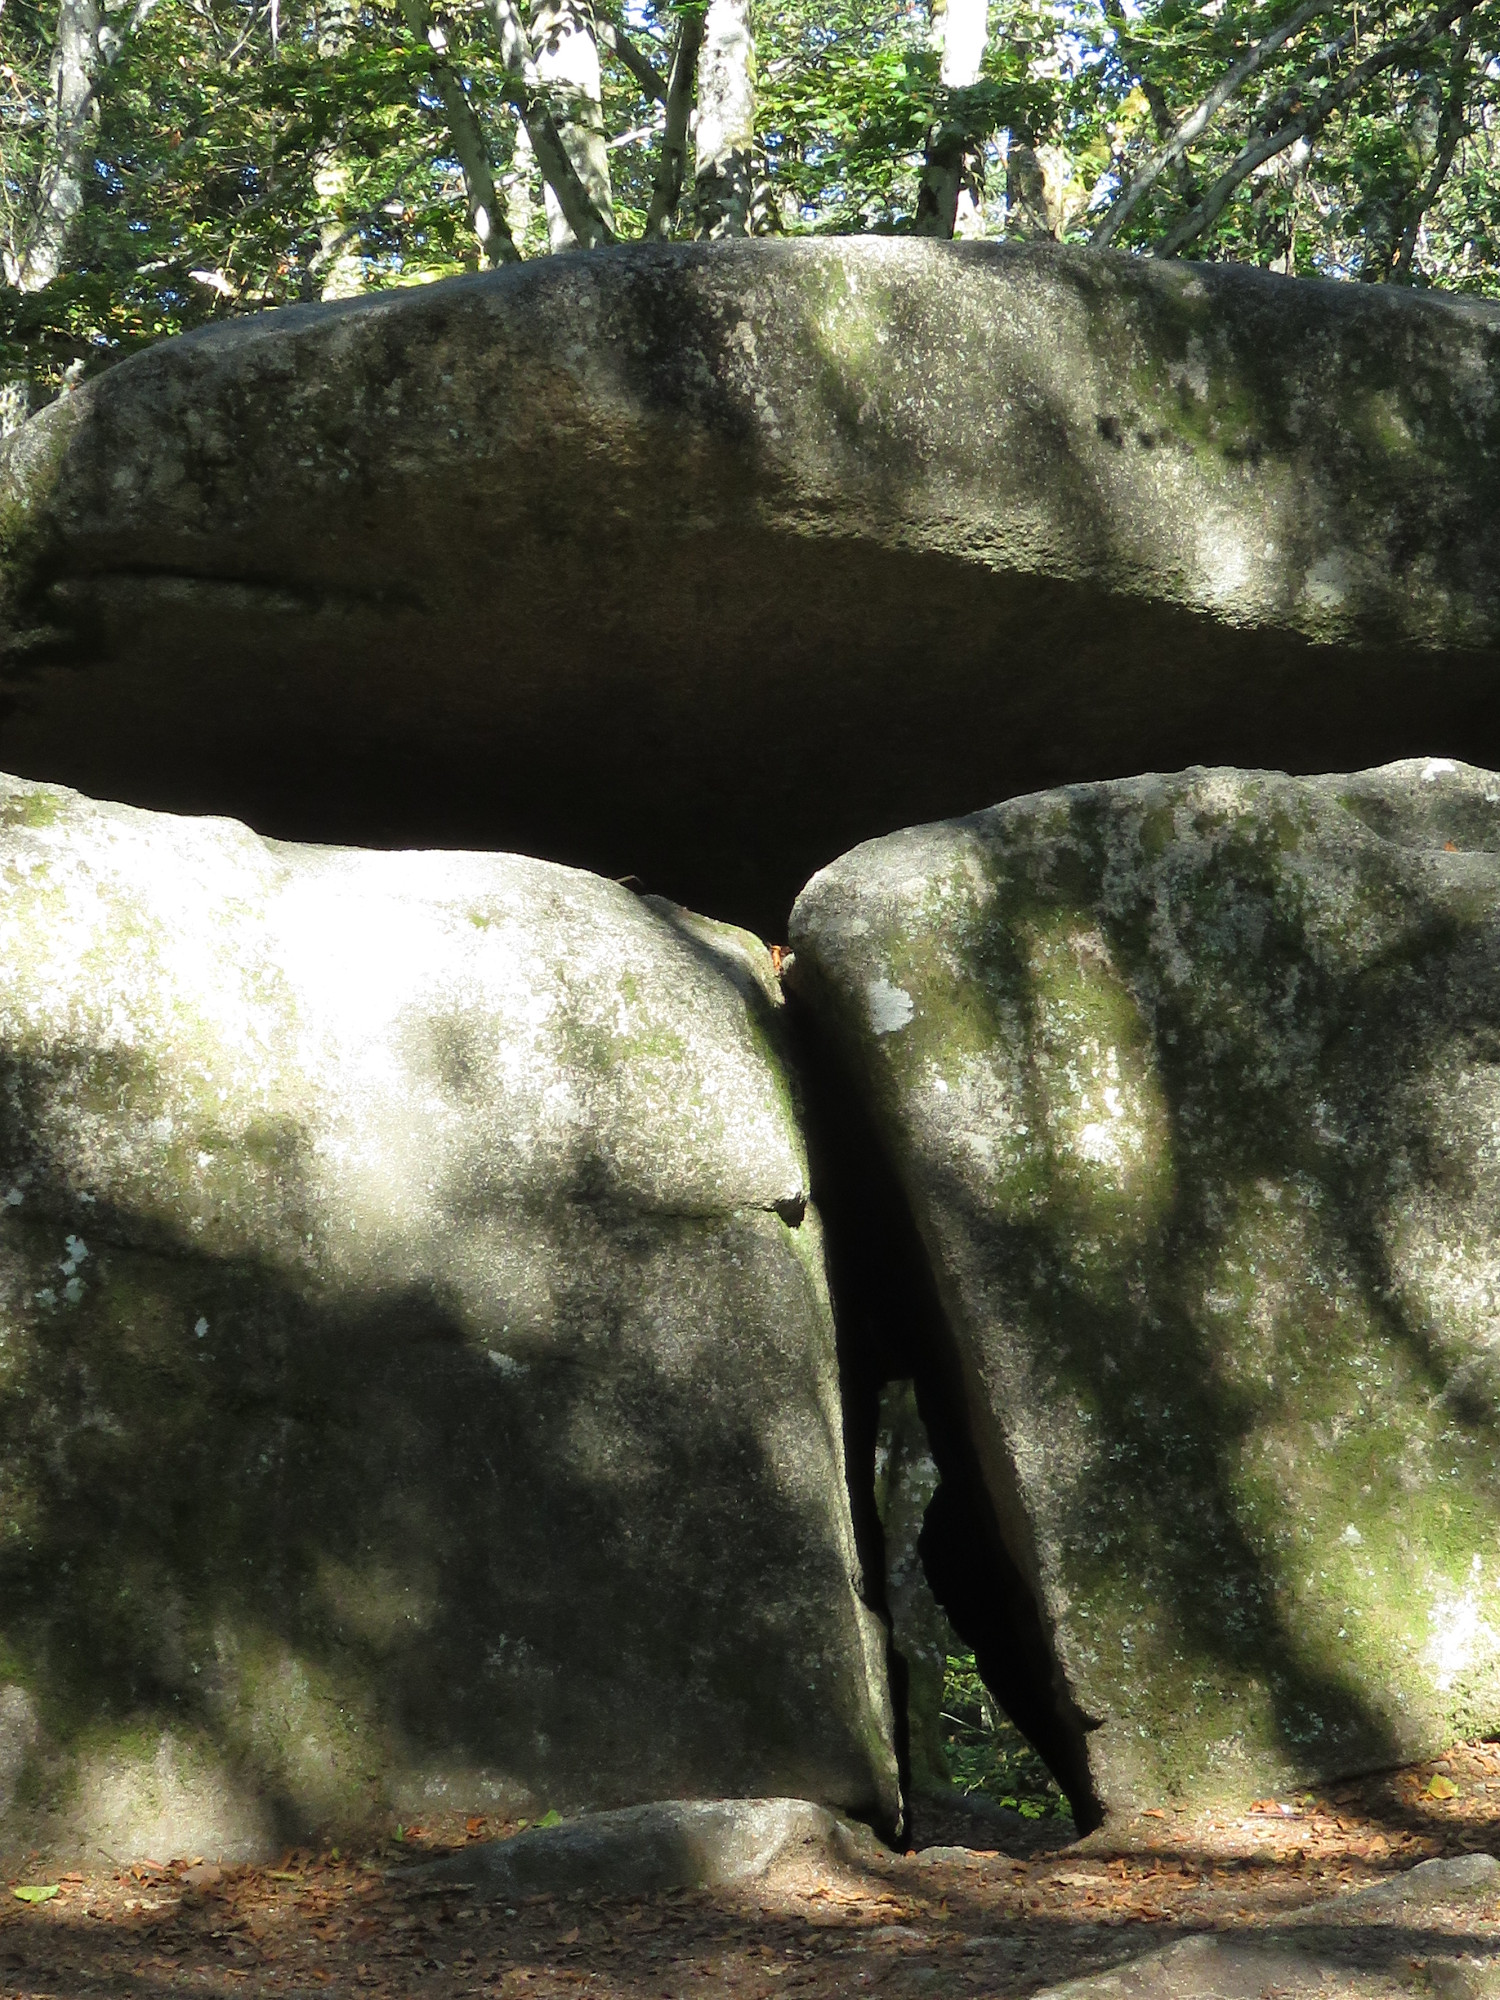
987	1753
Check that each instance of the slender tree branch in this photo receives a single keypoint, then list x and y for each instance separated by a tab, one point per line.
1127	46
515	49
485	215
1135	57
585	221
1201	117
645	72
1454	125
1304	125
671	169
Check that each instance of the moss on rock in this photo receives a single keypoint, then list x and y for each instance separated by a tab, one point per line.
410	1383
1190	1082
925	523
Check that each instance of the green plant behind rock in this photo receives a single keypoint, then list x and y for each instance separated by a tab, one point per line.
985	1751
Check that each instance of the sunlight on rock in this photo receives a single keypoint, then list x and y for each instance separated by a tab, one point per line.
1460	1641
1216	1240
1103	1115
398	1237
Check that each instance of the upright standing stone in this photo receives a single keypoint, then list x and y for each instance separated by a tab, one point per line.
1193	1084
417	1379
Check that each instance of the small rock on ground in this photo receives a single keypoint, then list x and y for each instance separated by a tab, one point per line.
1369	1944
673	1844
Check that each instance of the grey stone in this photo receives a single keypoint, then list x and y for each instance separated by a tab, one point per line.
1193	1086
417	1376
1376	1944
1452	1879
704	562
642	1850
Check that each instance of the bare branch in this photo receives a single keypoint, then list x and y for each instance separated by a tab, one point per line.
1200	118
515	49
1454	125
1310	120
671	171
469	144
645	72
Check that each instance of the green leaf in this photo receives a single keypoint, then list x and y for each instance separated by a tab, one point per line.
36	1892
553	1818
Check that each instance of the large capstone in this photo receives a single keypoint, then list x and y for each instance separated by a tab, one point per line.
701	563
417	1380
1193	1087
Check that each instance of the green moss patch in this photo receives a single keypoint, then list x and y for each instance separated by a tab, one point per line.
1195	1106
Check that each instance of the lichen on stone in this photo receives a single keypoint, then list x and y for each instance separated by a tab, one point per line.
1215	1238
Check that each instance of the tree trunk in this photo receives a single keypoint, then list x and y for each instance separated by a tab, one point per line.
518	184
566	54
726	120
945	205
671	171
337	264
1027	214
72	121
1451	129
562	186
466	135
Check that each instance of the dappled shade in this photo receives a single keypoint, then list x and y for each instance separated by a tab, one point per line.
417	1377
1190	1083
703	563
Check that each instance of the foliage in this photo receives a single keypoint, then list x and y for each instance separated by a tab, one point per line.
987	1753
208	190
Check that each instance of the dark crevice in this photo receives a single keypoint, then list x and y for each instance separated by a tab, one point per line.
892	1327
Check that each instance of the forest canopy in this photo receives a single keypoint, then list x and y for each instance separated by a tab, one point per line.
170	162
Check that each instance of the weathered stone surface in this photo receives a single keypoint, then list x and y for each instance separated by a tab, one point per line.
417	1382
704	562
642	1850
1415	1935
1193	1084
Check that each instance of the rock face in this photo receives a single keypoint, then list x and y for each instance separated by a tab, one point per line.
1354	1947
1193	1085
417	1379
704	562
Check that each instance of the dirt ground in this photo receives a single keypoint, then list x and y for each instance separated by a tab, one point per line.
978	1923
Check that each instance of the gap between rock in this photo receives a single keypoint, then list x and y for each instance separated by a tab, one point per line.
891	1327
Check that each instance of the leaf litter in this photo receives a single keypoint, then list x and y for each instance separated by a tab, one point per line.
967	1921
